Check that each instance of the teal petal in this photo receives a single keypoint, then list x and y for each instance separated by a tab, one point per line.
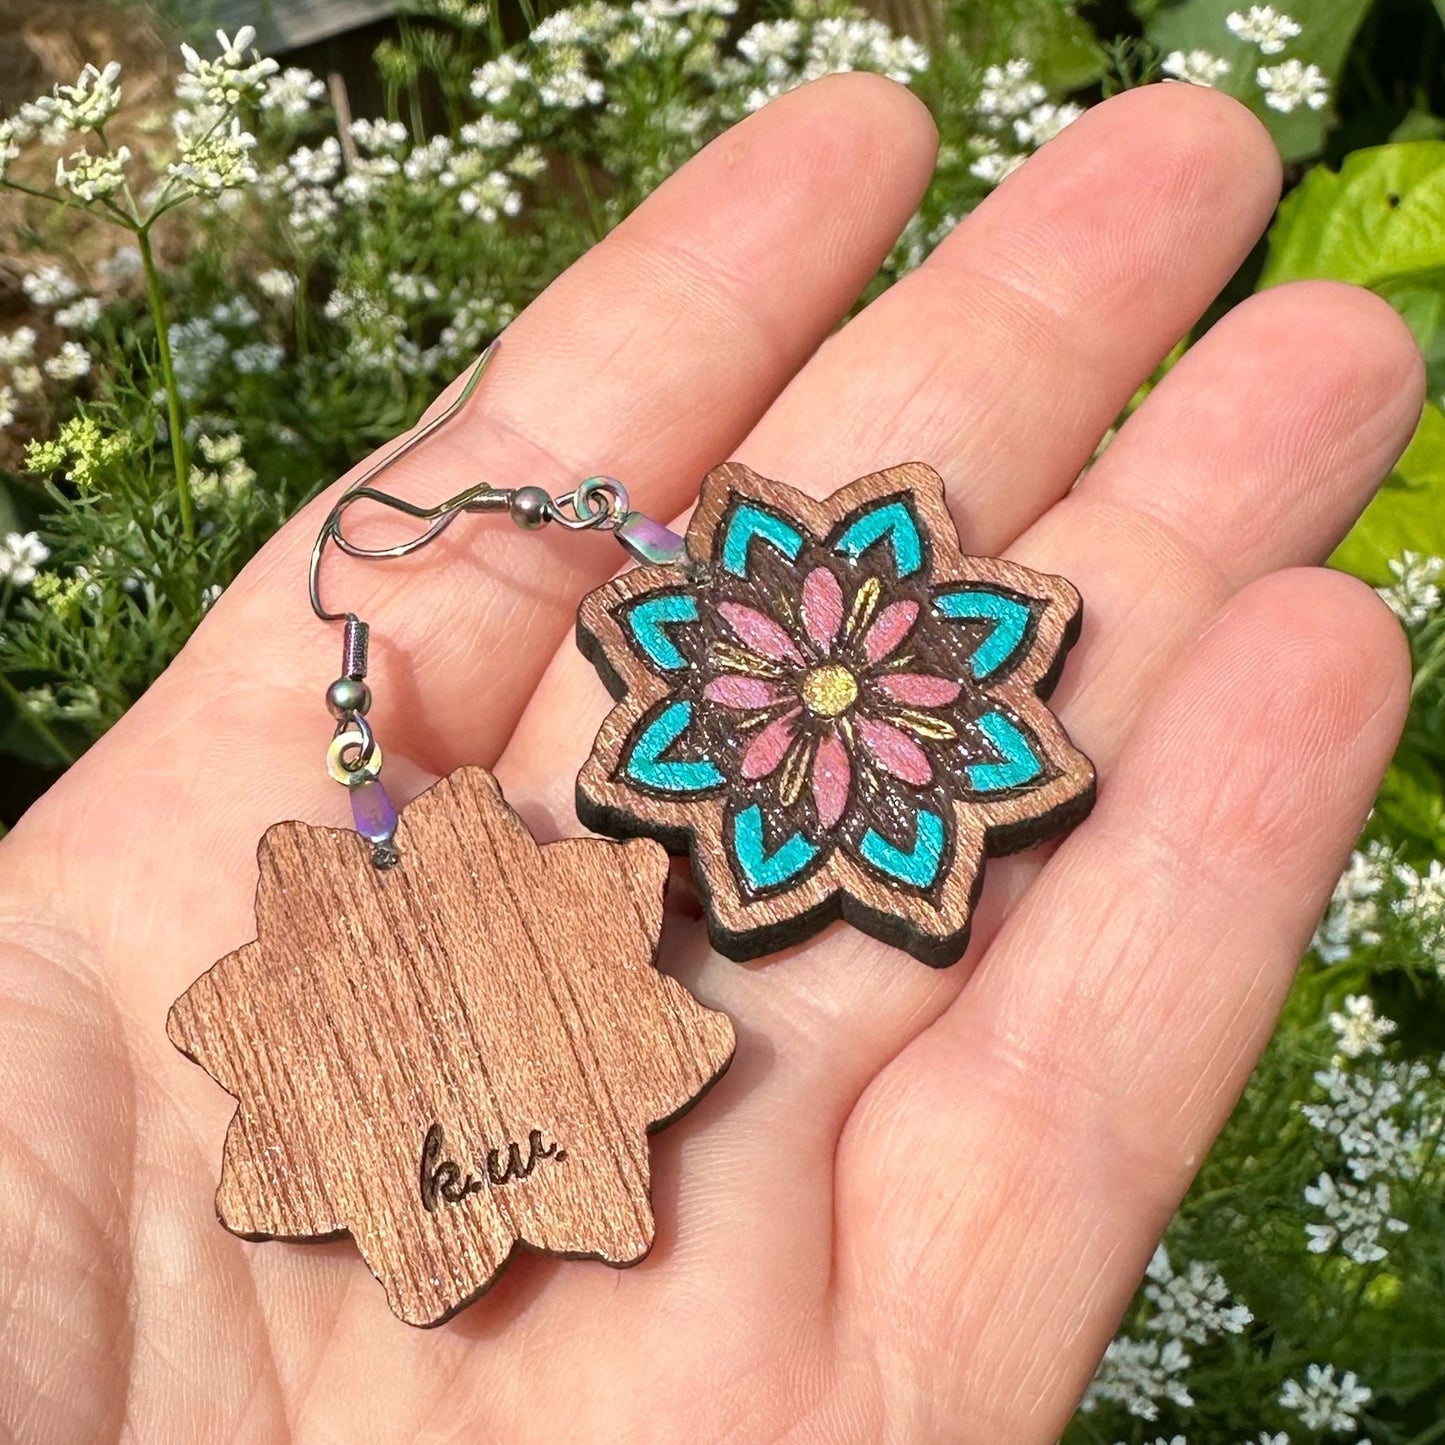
761	868
917	867
1020	762
748	522
647	619
1009	616
644	762
892	521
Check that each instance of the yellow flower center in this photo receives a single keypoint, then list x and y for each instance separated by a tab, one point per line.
829	690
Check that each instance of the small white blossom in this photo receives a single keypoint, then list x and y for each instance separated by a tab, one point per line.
237	312
1352	918
291	93
1264	26
1010	90
1044	122
567	84
258	357
17	346
1139	1374
1291	83
228	80
91	101
215	158
1415	592
220	449
80	315
489	133
88	177
1324	1402
13	136
276	285
497	79
49	286
1359	1029
122	265
317	166
22	554
197	348
8	403
992	165
1356	1215
1192	1306
1198	67
210	596
27	379
70	363
380	137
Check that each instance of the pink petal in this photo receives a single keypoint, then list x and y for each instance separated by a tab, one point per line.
894	751
918	689
766	750
832	777
760	633
893	624
822	608
731	691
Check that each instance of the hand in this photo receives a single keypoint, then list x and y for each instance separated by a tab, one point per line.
919	1203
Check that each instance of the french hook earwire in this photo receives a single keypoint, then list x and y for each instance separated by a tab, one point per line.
597	503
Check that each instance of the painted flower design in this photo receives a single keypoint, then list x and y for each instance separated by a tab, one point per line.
835	711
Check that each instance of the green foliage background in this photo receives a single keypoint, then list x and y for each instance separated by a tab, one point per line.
398	287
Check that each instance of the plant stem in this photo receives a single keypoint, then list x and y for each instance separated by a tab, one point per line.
173	395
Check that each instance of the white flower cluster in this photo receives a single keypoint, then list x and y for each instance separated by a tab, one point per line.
1140	1375
1352	918
22	554
1016	117
231	78
1363	1110
1359	1029
1190	1307
1325	1401
228	477
1284	86
1414	595
1193	1306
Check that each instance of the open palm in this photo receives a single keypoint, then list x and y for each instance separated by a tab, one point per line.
916	1207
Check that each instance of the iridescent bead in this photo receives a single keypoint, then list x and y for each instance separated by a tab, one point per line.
373	811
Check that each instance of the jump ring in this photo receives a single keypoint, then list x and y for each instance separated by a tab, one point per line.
365	767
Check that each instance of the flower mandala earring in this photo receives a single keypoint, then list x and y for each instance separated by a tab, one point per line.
445	1038
835	711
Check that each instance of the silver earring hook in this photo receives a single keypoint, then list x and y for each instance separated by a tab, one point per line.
595	504
440	516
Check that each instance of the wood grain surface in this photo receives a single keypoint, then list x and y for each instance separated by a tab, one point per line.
833	710
454	1055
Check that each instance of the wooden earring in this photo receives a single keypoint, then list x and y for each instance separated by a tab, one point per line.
446	1039
833	711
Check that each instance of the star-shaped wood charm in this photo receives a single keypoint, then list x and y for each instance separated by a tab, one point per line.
834	710
452	1056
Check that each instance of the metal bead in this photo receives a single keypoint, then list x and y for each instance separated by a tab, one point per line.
347	695
530	507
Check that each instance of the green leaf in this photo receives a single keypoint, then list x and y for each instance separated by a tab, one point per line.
1410	802
1379	220
1327	29
1408	512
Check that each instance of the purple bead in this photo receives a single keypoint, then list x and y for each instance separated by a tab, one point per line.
373	811
648	541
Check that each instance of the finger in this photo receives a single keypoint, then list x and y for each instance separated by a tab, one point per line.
1004	359
651	357
1057	1112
